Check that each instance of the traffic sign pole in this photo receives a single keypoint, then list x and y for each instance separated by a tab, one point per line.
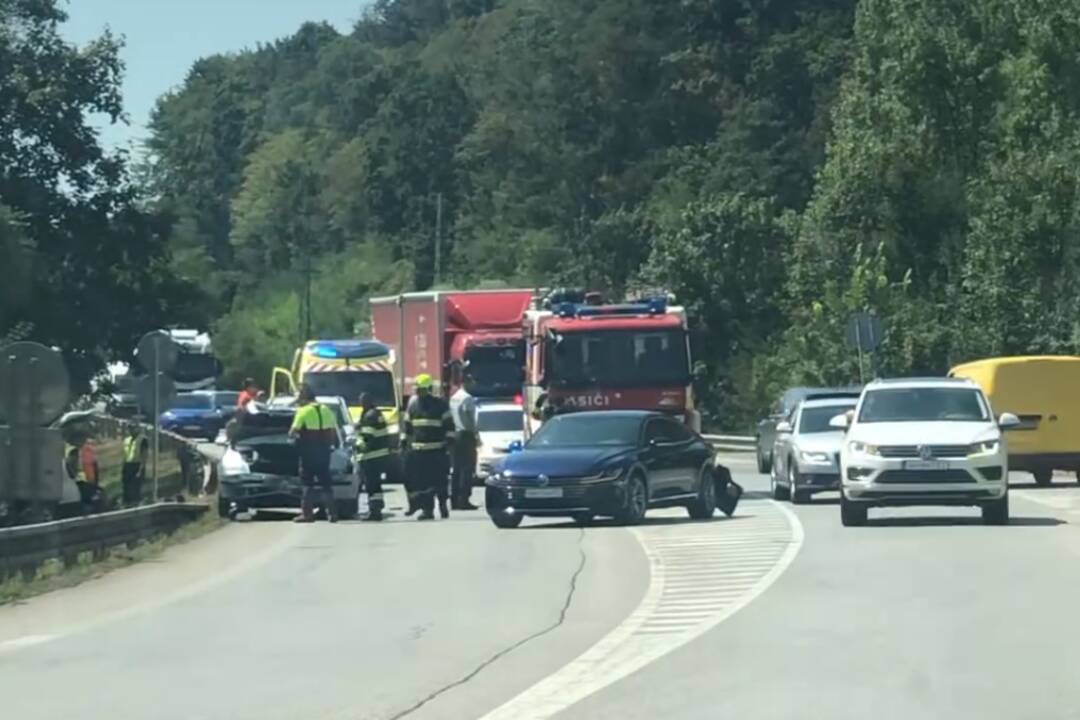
157	418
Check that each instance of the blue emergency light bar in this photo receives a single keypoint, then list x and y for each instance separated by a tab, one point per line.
349	349
650	306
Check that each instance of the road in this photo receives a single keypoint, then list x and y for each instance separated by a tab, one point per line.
777	613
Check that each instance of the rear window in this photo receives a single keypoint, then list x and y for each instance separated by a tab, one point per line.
191	402
500	421
816	419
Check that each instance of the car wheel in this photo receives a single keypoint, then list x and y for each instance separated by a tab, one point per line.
798	497
637	500
779	492
704	505
224	509
762	466
1043	476
582	518
851	514
997	512
506	521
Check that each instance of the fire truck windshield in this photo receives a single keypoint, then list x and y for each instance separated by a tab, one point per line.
494	370
619	358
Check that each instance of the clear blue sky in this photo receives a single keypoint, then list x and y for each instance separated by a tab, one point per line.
164	37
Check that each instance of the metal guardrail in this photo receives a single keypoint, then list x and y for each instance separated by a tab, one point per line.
26	547
732	443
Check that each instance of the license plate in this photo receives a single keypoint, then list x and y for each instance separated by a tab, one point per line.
926	465
540	493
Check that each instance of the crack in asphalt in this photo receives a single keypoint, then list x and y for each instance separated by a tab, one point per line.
507	650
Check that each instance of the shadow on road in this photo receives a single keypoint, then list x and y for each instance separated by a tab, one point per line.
1052	486
948	521
605	523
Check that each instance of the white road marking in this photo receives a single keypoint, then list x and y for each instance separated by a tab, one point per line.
25	641
680	603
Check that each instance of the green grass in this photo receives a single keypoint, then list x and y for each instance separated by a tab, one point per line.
54	574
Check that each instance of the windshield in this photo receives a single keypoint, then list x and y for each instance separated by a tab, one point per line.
500	421
191	402
923	405
192	367
350	384
585	430
620	358
816	419
226	399
494	370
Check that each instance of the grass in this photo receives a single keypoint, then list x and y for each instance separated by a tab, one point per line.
54	574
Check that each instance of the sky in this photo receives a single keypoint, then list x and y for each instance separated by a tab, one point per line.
164	37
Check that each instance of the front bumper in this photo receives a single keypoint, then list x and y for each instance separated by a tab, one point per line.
895	482
602	498
255	490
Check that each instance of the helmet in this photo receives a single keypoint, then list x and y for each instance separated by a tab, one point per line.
423	381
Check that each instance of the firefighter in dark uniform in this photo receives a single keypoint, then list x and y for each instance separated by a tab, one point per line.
427	431
373	455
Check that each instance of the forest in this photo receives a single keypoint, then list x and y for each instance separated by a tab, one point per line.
777	165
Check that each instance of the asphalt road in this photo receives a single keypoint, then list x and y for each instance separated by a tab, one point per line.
777	613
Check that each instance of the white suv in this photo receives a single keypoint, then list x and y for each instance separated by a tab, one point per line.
927	441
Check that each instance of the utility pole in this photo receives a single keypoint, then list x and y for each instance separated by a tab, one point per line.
307	298
438	238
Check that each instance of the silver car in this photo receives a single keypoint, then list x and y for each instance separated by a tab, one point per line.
807	450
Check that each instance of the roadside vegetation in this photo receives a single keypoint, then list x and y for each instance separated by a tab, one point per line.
776	165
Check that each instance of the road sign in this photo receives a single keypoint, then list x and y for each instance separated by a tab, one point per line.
864	331
157	352
34	384
31	464
154	398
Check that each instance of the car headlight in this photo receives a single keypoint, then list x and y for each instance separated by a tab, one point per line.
985	447
863	448
814	457
233	464
497	479
610	474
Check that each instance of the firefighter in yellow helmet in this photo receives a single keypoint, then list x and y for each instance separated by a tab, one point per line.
427	435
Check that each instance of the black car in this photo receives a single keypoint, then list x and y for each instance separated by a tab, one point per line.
610	463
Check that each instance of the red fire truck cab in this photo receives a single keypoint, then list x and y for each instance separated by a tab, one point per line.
588	356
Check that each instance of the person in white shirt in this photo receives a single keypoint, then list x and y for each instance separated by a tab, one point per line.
463	410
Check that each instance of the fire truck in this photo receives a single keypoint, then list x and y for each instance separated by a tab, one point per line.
584	354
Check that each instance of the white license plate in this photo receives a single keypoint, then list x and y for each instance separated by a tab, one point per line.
540	493
926	465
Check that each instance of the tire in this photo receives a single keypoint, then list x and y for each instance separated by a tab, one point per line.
223	507
997	512
798	497
505	521
1043	476
779	492
851	514
346	509
637	501
762	466
703	507
582	518
765	463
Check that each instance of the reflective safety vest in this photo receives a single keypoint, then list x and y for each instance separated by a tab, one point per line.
131	448
374	441
428	423
315	425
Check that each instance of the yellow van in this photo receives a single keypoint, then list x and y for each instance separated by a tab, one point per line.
345	368
1044	392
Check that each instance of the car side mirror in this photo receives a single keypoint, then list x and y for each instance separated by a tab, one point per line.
783	427
1008	421
840	422
516	446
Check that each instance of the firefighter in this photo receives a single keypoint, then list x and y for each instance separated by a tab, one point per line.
427	428
373	455
315	430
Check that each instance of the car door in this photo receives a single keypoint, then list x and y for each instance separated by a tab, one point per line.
689	453
658	457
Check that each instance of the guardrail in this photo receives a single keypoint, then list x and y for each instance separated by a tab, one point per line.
26	547
732	443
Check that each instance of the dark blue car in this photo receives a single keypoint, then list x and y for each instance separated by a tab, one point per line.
611	463
199	414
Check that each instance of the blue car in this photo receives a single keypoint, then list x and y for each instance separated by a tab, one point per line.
611	463
199	414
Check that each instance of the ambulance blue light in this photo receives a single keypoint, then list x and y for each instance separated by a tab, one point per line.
324	351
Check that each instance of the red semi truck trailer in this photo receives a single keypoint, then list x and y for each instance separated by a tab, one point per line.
478	332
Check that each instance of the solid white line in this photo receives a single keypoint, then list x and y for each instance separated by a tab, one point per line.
25	641
637	641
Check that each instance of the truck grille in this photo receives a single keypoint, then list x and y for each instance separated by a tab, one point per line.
924	476
912	451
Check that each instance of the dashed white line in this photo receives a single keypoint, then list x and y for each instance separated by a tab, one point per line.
701	574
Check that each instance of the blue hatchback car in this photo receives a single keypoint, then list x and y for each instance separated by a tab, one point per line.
609	463
199	414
